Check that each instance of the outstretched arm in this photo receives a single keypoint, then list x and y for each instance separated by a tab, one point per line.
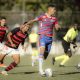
32	21
9	38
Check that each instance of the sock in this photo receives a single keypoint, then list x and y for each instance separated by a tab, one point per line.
60	57
33	60
66	58
11	66
40	63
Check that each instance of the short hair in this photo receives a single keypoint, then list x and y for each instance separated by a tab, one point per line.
25	23
51	5
2	17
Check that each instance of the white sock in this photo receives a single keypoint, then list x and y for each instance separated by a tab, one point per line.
40	64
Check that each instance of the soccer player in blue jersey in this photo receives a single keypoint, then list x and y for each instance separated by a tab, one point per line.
47	22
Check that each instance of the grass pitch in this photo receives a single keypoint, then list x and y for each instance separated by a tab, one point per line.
24	71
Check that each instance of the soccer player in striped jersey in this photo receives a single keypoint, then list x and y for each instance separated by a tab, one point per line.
47	22
69	38
3	31
14	39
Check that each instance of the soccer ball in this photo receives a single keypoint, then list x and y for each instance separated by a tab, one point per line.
78	66
48	72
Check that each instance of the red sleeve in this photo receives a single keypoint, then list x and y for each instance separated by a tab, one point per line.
39	18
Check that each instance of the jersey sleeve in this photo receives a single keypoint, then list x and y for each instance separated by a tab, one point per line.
39	18
23	42
25	38
15	30
56	21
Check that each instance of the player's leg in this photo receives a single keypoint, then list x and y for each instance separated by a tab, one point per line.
2	55
16	58
42	49
34	53
47	50
67	51
64	57
41	53
48	46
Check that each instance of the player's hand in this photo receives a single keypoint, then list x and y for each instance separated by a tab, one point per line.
13	45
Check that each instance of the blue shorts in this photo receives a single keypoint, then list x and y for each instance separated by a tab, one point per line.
45	41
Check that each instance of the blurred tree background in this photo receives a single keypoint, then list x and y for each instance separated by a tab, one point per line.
68	10
18	11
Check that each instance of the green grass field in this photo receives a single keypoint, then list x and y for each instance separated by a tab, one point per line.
24	71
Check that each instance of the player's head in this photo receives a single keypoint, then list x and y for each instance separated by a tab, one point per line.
2	21
75	26
24	27
51	8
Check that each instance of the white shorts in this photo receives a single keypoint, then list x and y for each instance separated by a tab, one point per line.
7	50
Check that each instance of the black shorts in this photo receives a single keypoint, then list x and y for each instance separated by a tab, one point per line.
34	45
66	46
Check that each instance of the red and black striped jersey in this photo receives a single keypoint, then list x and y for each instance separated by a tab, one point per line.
17	37
3	30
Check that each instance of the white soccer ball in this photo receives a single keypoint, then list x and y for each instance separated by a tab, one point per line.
78	65
48	72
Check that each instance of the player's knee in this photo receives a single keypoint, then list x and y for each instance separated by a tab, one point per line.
2	57
46	55
17	61
65	51
69	53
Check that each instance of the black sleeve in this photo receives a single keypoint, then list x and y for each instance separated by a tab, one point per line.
25	38
15	30
23	42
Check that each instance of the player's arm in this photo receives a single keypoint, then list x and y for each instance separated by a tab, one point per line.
10	34
57	26
23	44
39	18
9	38
26	45
31	21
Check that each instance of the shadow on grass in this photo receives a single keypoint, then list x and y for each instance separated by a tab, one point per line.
25	65
25	72
70	73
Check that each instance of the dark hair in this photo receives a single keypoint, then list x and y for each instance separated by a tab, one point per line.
24	23
2	17
51	5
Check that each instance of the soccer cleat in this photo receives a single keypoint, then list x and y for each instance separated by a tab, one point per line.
42	73
61	65
4	73
53	60
3	65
